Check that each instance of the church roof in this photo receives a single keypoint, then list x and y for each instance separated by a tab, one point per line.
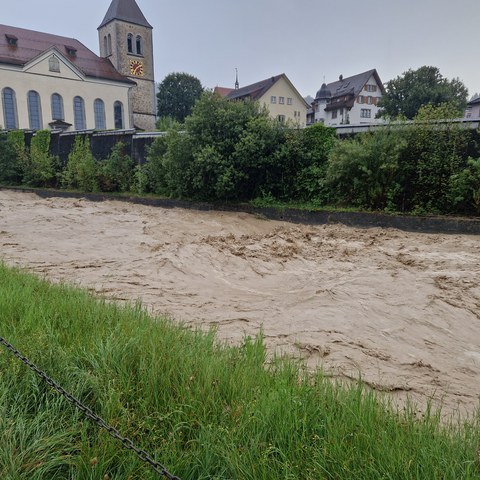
31	44
127	11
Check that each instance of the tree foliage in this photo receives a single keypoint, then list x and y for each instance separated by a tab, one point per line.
177	94
362	171
40	168
425	86
234	151
81	171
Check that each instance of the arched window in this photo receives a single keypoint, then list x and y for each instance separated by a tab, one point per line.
109	45
139	45
79	113
99	109
34	110
9	108
57	107
130	43
105	46
118	114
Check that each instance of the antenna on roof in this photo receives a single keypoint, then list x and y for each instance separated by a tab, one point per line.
237	85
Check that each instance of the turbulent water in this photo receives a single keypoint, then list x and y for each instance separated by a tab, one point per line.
400	309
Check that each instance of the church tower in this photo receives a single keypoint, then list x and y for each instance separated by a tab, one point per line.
126	39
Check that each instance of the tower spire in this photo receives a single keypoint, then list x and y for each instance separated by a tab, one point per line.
237	85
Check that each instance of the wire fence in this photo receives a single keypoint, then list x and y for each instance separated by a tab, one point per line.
113	432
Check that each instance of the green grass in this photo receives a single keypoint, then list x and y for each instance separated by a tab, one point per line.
204	410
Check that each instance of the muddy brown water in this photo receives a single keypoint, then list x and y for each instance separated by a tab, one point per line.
400	309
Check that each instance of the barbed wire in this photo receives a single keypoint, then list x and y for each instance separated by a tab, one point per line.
113	432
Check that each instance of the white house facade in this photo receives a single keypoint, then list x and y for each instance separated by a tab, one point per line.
351	100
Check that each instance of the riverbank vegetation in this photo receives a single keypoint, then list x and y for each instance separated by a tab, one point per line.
233	152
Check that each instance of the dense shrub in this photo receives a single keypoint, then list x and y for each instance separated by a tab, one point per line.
362	171
12	153
115	174
218	154
81	171
235	151
436	149
40	168
464	188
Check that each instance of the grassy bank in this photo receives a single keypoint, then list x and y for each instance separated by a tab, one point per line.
204	410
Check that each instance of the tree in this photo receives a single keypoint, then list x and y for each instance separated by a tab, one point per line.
177	95
425	86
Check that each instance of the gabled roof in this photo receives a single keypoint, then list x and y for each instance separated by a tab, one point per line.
474	101
31	44
354	85
127	11
256	90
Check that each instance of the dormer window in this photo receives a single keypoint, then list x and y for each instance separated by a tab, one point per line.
11	40
71	51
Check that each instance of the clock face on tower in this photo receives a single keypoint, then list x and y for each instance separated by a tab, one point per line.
136	68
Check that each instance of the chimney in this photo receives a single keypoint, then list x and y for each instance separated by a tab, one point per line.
340	77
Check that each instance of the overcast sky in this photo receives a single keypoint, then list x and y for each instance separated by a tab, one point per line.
308	40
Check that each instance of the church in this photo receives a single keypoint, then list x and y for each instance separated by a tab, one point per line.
53	82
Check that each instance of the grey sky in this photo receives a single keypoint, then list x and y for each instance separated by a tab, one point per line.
306	39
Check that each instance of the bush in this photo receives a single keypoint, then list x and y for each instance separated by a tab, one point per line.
12	152
40	168
465	188
315	145
436	149
115	174
82	170
204	161
361	172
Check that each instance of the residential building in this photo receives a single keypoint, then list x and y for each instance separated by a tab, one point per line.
277	93
473	107
351	100
50	81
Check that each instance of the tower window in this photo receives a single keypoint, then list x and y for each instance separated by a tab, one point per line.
118	114
109	44
34	110
139	45
9	108
130	43
57	107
